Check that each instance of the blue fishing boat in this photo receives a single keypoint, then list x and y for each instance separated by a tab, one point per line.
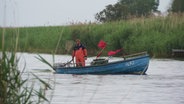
130	64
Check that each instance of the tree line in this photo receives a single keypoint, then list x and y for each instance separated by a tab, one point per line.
127	9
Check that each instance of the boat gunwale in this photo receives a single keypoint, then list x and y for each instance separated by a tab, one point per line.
115	62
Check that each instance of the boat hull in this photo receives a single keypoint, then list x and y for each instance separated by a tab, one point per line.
137	65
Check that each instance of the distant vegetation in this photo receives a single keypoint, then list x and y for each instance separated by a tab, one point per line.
128	9
157	35
177	6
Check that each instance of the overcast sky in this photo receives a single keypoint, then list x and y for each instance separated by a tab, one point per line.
54	12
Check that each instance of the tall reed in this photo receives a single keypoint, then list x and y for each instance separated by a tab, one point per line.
15	88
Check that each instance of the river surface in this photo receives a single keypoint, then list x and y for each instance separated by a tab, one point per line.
163	84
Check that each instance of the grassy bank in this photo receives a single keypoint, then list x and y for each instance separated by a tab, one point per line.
157	35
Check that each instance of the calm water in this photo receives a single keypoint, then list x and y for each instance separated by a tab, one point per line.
163	84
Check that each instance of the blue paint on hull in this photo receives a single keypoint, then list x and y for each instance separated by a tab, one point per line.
137	65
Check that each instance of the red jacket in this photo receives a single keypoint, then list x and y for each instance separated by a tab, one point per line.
79	51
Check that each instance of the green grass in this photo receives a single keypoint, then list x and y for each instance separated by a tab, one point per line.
157	35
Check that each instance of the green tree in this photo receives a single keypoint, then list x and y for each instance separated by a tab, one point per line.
125	9
177	6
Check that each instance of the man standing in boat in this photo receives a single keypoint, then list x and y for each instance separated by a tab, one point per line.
80	53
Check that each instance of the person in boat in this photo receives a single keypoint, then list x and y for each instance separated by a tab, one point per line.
80	53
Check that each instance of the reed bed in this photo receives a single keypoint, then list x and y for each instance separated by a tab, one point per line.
157	35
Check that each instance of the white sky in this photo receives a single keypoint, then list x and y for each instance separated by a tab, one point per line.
54	12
